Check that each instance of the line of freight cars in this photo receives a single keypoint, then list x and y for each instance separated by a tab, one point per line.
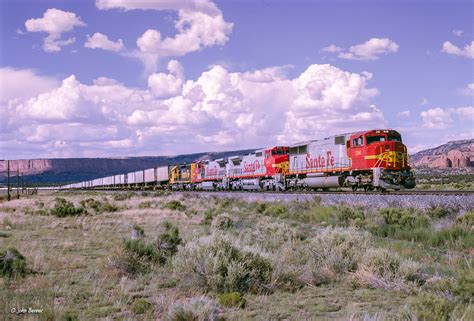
373	159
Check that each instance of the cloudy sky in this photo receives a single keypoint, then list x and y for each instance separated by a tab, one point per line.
116	78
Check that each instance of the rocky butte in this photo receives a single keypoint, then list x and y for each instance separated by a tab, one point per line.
455	154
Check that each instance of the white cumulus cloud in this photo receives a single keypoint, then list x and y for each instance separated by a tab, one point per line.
372	49
332	48
200	24
436	118
55	22
467	51
458	33
218	110
165	85
101	41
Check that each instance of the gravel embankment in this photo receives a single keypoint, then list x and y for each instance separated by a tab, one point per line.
461	202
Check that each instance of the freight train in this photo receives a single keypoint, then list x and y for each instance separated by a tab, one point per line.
369	160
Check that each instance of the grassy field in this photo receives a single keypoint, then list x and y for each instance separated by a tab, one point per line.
155	255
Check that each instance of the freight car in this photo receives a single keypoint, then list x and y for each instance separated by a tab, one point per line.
373	159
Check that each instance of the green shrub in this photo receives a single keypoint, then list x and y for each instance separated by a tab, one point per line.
12	264
174	205
464	287
467	219
218	265
222	222
437	212
232	300
339	250
107	207
208	216
427	307
129	263
454	237
120	196
70	316
169	239
350	216
141	306
98	206
196	309
404	218
326	215
63	208
144	250
146	204
276	210
91	203
381	267
261	207
138	231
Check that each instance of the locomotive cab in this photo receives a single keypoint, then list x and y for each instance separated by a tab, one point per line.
276	160
383	152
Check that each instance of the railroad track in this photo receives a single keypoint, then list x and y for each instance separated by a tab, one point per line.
424	192
308	192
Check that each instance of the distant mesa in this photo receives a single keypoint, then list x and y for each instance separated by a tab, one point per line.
455	154
65	170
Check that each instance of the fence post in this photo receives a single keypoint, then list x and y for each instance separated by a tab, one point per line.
18	182
8	181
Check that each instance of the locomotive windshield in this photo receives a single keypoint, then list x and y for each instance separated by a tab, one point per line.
395	138
373	139
279	151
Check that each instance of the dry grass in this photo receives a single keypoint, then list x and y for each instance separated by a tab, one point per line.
284	267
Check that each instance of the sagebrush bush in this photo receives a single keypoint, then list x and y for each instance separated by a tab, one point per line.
350	216
195	309
141	306
222	222
427	307
232	300
123	196
146	204
216	264
169	239
404	218
437	212
129	263
208	216
294	266
174	205
339	250
137	232
276	210
12	264
98	206
147	251
383	268
91	203
63	208
270	234
466	220
455	237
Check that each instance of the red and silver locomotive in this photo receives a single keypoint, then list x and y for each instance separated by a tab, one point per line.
374	159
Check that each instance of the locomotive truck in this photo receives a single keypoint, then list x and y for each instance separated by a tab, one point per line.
369	160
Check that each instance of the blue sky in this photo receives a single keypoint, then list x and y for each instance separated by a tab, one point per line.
238	74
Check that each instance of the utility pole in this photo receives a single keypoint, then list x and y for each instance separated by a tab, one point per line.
8	181
18	183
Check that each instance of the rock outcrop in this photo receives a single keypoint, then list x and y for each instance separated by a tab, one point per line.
59	170
456	154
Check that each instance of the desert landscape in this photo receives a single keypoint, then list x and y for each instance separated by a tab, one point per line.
157	255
